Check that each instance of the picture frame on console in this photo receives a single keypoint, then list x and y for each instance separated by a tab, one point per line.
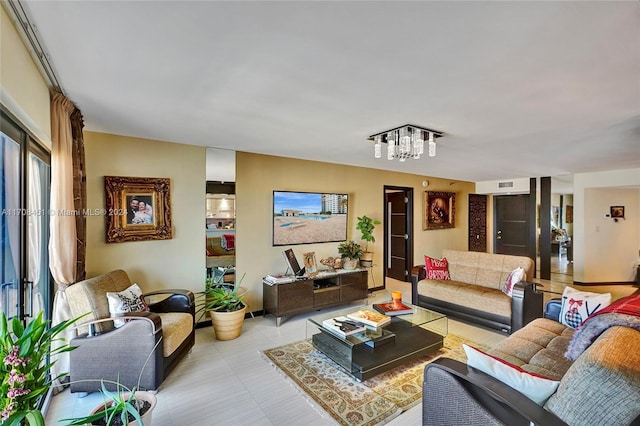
439	210
310	264
125	220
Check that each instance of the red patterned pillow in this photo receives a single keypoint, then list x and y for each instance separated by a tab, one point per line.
437	269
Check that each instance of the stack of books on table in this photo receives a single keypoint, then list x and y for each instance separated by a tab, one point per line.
393	308
370	318
343	326
278	278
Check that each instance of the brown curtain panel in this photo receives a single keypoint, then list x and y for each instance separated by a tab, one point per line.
79	192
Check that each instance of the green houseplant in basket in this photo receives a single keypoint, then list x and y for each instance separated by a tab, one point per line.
351	252
366	225
225	305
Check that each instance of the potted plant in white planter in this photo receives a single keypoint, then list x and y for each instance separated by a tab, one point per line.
366	225
226	306
122	407
351	252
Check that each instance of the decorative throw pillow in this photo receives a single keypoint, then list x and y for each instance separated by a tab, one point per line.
128	300
578	305
437	269
514	278
533	386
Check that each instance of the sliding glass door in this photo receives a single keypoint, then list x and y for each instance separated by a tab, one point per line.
24	224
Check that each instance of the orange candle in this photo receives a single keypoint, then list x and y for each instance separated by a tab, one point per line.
396	297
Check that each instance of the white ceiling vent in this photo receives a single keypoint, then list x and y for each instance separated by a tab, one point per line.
505	184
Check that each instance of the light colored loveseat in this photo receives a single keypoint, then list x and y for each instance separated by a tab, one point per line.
601	387
217	256
474	292
146	348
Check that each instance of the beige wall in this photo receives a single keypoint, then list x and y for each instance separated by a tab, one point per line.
611	247
23	91
258	175
175	263
603	250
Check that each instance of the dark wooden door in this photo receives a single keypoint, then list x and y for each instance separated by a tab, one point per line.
477	222
512	224
398	233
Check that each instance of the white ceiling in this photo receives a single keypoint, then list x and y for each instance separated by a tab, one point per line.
520	89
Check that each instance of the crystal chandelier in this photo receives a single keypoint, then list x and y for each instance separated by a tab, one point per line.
405	142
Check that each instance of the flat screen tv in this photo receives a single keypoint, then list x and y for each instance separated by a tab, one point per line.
309	217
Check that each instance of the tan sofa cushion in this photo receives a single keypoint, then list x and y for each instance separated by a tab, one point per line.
538	348
468	295
485	269
176	327
91	296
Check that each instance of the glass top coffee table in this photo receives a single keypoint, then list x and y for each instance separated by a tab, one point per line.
364	355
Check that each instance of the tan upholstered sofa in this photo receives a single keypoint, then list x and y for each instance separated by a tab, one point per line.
601	387
474	292
218	257
150	343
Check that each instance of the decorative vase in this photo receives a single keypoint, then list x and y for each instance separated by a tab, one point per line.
227	325
348	263
143	396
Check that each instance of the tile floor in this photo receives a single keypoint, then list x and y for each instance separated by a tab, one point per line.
228	383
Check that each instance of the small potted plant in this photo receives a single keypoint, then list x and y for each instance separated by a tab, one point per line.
351	252
226	306
366	225
24	369
122	407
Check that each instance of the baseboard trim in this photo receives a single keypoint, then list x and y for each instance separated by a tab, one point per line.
607	283
207	323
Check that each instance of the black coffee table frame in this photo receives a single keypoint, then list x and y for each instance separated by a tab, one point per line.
363	362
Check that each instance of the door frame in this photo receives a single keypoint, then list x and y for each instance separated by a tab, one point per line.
409	193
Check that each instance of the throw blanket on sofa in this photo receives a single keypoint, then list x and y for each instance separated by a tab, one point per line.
624	312
227	241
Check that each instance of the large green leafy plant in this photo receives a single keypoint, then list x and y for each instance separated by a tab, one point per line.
366	225
25	367
350	249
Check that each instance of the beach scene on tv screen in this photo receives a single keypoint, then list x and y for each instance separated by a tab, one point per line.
302	218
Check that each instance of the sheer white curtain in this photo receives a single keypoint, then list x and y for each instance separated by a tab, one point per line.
10	222
34	203
62	241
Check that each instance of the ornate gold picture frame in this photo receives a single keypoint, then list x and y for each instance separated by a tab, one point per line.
139	209
439	210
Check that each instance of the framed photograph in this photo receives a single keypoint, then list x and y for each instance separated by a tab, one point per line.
310	264
569	214
617	212
137	209
439	210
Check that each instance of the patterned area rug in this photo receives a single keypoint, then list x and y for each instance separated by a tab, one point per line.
349	402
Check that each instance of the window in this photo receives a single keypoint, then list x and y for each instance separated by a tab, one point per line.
25	173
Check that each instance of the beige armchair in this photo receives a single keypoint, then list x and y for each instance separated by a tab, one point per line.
148	346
